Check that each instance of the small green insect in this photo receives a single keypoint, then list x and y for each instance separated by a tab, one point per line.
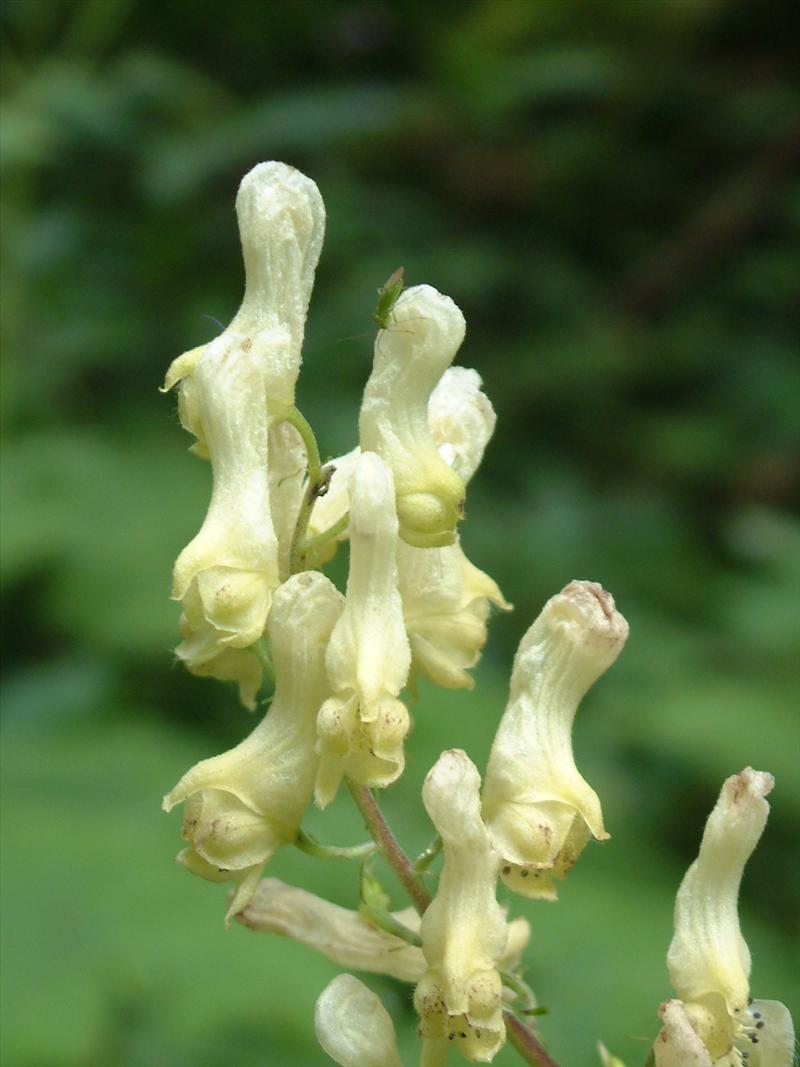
388	295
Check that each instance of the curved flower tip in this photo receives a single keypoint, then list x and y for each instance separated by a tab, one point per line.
708	959
239	807
538	808
464	932
281	226
708	953
411	356
353	1026
363	725
461	420
606	1059
231	392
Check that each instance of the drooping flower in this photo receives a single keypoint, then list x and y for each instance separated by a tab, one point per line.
231	392
539	810
410	358
714	1022
353	1026
362	726
446	603
239	807
464	931
349	939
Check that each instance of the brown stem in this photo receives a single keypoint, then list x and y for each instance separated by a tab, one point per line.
526	1042
390	847
521	1037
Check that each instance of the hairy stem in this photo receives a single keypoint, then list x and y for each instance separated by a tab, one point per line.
317	486
521	1036
386	921
306	843
390	848
311	545
526	1042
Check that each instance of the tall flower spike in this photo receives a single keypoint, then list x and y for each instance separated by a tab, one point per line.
539	810
410	358
242	805
464	931
349	939
353	1026
231	390
362	726
715	1023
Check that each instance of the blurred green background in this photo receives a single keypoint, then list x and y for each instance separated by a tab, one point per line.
610	192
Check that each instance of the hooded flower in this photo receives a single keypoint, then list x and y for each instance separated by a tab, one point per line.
447	600
353	1026
464	930
231	391
714	1023
539	810
346	937
362	726
410	358
239	807
446	603
461	421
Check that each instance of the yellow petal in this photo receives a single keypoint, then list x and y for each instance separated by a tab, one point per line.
362	726
242	805
708	954
410	358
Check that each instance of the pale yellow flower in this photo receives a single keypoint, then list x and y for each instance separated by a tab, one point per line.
353	1026
410	358
447	600
349	939
714	1023
232	390
239	807
461	421
446	603
539	810
464	930
362	726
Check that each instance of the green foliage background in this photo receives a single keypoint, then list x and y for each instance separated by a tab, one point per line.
609	191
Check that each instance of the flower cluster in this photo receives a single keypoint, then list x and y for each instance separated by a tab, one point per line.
252	604
256	610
